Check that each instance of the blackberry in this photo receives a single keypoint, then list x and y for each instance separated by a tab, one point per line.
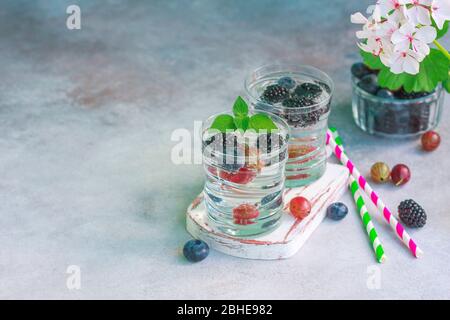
308	90
412	214
323	85
296	119
297	102
275	93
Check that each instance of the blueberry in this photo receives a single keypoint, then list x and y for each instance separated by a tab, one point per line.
359	70
287	82
369	83
196	250
337	211
386	94
402	94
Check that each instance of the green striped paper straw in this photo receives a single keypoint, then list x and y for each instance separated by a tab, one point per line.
367	221
363	212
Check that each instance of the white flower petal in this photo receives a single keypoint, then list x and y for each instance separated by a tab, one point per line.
440	20
423	16
421	48
440	12
411	65
426	34
397	66
398	37
402	46
358	18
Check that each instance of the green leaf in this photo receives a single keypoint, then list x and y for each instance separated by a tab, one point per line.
441	32
261	121
433	69
372	61
223	123
242	122
240	108
446	85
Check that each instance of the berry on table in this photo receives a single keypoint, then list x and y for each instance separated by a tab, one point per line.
244	214
400	174
286	82
431	140
195	250
360	70
300	207
337	211
412	214
380	172
275	93
369	83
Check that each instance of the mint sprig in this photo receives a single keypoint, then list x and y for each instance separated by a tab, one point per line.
223	123
262	122
241	120
240	108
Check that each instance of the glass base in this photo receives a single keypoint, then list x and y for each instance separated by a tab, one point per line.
262	227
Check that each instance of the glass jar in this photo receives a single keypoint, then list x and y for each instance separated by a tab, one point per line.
306	112
392	117
244	178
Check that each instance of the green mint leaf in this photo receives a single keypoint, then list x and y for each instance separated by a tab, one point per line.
223	123
261	121
433	69
240	108
372	61
441	32
242	122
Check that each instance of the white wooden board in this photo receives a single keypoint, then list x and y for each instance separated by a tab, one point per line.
292	233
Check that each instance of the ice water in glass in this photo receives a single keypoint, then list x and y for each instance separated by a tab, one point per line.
301	95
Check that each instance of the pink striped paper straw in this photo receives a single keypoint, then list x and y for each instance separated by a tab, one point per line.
388	216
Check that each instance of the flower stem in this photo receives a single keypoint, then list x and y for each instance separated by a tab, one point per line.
442	49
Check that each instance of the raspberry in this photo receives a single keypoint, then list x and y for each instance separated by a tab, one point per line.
244	213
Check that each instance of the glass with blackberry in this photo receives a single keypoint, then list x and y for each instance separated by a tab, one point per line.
244	178
301	95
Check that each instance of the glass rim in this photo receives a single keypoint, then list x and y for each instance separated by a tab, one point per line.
291	66
278	119
373	97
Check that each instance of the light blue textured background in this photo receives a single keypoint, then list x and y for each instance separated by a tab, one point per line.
85	171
